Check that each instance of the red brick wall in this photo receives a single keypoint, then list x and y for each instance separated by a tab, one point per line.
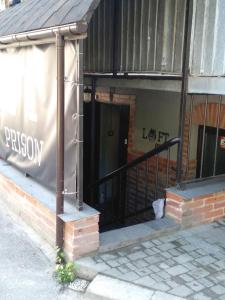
198	210
80	237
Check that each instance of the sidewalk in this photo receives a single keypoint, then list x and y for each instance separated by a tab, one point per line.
189	264
25	273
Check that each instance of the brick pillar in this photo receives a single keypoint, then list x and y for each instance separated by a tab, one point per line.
81	236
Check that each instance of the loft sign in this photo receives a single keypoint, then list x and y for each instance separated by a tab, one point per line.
154	136
25	145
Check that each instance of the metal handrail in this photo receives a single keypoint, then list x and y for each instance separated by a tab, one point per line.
138	160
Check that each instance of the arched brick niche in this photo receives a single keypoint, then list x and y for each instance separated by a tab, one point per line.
198	115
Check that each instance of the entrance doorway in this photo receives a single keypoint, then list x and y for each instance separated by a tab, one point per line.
209	151
111	125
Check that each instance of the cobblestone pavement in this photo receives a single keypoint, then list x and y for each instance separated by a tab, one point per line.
188	264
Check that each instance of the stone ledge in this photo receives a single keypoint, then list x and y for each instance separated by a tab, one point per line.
201	188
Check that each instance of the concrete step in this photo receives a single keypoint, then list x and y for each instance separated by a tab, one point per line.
123	237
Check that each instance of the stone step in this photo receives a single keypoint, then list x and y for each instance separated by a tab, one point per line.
123	237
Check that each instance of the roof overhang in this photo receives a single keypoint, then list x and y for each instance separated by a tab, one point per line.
66	17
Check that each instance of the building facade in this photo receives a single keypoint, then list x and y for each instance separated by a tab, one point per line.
143	84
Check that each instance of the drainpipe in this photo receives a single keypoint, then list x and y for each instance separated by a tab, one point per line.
184	88
60	45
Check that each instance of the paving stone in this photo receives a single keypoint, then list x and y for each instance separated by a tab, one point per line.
160	286
181	291
131	266
153	259
113	263
172	283
190	266
186	277
201	296
218	289
122	260
149	252
166	254
195	286
206	282
206	260
154	268
220	276
189	248
148	244
166	247
198	273
143	272
98	259
174	252
156	250
164	275
107	257
180	242
163	266
156	277
177	270
141	263
131	276
145	281
137	255
183	258
171	262
194	254
124	269
156	242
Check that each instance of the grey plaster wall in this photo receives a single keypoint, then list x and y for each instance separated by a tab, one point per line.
155	110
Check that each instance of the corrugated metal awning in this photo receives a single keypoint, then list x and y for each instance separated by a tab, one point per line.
37	15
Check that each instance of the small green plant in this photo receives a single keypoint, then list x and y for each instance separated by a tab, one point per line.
65	272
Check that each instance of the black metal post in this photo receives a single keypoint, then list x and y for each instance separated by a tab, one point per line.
115	35
93	137
60	45
185	71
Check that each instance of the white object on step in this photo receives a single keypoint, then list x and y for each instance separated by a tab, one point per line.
158	206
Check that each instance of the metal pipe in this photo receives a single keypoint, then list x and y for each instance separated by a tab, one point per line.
60	45
80	132
203	139
44	41
185	71
217	133
72	29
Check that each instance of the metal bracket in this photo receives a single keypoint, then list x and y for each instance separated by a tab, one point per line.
65	192
76	115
